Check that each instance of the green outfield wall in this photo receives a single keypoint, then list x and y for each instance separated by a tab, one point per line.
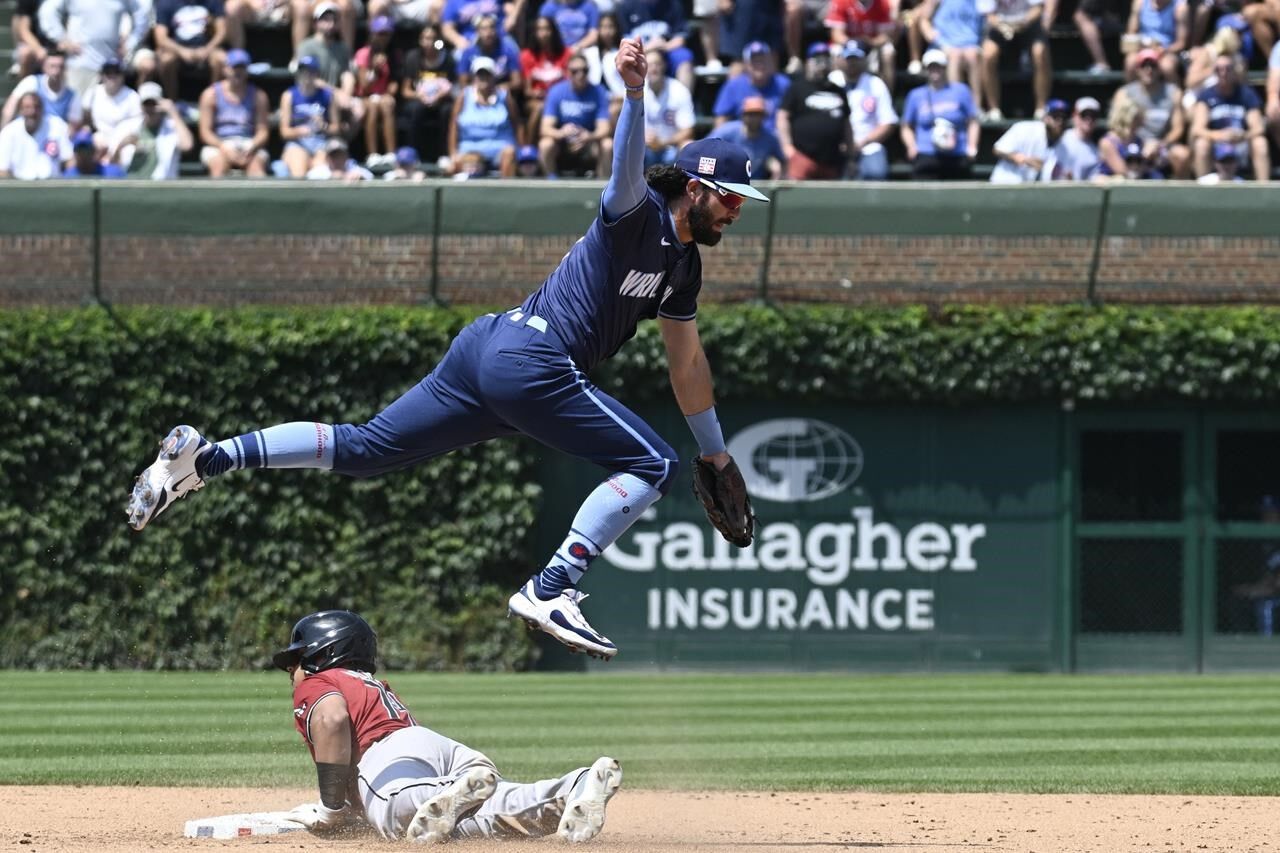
1021	538
223	243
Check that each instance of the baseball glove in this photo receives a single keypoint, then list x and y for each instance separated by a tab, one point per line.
723	495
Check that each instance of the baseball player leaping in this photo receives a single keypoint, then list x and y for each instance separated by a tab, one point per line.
525	371
374	762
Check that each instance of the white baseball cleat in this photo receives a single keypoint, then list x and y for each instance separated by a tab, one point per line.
584	815
170	477
561	618
436	818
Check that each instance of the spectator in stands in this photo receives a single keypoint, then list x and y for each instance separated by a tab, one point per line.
660	25
1157	24
940	124
707	14
241	13
742	22
485	129
85	161
1023	153
30	44
189	35
88	32
871	116
157	143
1124	128
955	27
1164	123
1264	22
872	22
308	117
761	78
408	166
338	165
330	51
1089	17
767	159
488	41
1226	166
111	108
34	146
527	162
1225	43
1075	158
60	100
428	90
575	126
801	19
577	23
415	12
347	12
377	70
542	64
668	113
1273	94
1230	112
459	20
1014	26
610	39
813	121
233	122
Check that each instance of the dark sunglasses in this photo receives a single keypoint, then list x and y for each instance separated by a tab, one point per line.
577	71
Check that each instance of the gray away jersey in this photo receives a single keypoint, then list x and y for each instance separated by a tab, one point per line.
618	274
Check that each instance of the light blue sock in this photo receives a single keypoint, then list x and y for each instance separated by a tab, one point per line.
301	444
608	511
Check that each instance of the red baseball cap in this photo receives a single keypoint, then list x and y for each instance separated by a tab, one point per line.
1149	54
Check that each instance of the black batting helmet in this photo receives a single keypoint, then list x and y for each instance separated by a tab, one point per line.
328	639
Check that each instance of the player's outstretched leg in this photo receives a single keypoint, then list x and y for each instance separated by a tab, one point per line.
171	477
584	813
436	818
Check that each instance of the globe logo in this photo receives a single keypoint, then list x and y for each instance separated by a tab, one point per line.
791	460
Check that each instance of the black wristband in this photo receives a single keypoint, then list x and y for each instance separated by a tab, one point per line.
333	783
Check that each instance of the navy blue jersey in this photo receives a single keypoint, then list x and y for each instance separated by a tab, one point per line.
618	274
1230	110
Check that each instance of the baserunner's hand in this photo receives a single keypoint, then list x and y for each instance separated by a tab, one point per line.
631	63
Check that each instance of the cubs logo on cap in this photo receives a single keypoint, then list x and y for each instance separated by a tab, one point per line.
721	164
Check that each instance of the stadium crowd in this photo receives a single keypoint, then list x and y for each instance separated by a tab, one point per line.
815	89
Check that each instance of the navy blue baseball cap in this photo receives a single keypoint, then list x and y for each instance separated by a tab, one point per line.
818	48
1057	105
237	57
309	63
1225	151
721	164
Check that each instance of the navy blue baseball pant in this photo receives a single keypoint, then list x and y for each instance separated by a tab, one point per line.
505	374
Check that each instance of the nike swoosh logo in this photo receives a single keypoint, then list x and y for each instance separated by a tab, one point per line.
664	242
178	485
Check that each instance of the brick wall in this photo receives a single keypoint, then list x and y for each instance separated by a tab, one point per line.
52	269
500	270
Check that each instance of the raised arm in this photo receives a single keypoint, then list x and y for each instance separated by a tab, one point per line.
626	187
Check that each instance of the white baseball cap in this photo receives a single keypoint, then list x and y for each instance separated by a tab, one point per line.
483	63
933	56
150	91
324	9
1087	103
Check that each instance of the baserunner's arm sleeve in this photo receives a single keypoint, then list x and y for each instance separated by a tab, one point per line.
626	188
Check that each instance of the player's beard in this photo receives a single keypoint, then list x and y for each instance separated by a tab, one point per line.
701	222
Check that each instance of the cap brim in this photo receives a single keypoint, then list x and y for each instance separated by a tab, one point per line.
744	190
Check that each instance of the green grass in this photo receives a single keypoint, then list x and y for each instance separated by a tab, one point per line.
1122	734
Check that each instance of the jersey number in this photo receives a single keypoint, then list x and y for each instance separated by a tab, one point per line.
394	707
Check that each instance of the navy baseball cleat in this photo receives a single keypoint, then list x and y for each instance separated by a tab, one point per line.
583	816
172	476
561	618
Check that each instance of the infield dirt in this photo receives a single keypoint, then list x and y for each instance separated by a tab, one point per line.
52	819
